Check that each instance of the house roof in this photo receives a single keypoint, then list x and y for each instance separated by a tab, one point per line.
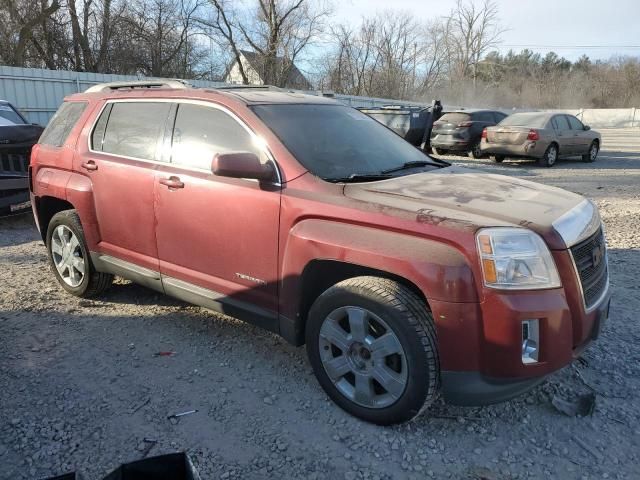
295	79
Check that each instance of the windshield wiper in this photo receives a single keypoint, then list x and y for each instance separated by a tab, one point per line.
358	177
414	164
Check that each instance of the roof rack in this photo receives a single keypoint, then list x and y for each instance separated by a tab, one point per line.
135	84
240	86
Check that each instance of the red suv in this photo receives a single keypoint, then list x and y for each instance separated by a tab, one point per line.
405	276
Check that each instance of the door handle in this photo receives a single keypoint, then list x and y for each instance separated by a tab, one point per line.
90	165
172	182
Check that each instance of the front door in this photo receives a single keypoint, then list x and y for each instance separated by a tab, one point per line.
564	135
124	148
581	139
215	233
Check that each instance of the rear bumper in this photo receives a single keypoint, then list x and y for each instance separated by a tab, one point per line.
451	144
528	149
480	345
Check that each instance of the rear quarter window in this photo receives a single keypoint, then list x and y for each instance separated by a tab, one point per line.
62	123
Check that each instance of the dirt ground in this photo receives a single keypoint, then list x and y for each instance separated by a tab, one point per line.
81	386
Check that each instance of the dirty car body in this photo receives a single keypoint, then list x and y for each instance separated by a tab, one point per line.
502	281
529	135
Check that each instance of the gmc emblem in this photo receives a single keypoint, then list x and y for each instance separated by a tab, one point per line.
597	255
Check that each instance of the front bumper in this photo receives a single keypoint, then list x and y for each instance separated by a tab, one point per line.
14	194
480	345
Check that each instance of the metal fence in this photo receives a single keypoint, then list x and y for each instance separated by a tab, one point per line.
38	93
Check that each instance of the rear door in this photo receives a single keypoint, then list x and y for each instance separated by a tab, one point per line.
216	233
563	134
124	150
581	138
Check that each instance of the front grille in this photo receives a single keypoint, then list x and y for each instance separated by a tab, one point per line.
14	161
590	257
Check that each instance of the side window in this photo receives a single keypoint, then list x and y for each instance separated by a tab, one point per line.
62	123
134	129
97	137
499	116
483	117
559	122
574	122
200	132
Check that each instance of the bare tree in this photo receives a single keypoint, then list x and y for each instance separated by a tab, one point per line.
24	17
471	31
276	30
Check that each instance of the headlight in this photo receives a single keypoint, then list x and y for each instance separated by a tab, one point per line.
515	258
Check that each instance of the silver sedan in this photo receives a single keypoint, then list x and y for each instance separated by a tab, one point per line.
541	135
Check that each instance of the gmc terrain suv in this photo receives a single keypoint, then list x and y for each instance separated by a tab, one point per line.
406	277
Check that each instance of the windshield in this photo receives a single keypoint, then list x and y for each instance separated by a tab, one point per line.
334	141
9	114
537	120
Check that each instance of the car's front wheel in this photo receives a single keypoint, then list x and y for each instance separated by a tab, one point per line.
439	151
592	154
498	158
372	345
69	257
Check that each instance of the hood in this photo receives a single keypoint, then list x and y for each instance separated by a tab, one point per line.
462	198
19	134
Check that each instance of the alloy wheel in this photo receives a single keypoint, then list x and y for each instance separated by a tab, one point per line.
552	155
363	357
67	256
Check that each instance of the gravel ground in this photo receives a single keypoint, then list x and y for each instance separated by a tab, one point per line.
81	387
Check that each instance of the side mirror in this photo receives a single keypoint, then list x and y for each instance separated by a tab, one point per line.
587	127
242	165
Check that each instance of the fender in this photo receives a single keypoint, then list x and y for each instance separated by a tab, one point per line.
75	189
80	195
439	270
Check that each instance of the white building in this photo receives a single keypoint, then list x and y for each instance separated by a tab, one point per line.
253	65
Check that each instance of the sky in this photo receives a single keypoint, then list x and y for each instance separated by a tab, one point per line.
555	23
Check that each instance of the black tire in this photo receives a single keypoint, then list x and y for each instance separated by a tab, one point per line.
439	151
93	283
550	156
409	319
476	152
498	158
592	154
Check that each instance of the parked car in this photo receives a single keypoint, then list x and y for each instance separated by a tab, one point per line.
460	131
405	276
543	136
17	136
413	123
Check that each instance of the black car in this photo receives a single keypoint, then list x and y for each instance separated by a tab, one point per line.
17	136
461	131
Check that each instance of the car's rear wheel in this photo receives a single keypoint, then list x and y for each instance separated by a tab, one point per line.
372	345
439	151
475	151
69	257
498	158
550	156
592	154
